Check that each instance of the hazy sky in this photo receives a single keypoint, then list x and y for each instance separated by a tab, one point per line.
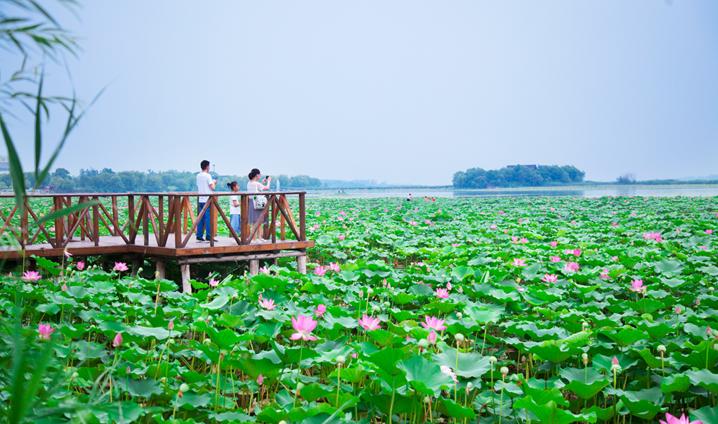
399	91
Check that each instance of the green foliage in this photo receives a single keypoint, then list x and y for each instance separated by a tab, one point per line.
518	176
498	318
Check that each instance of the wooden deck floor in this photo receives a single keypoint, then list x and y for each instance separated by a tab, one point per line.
116	245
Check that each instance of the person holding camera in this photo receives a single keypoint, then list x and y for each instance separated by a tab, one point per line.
257	203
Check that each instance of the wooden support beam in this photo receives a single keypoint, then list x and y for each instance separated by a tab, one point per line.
302	264
254	266
237	258
186	286
160	269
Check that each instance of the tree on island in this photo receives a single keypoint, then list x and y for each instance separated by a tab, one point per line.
518	176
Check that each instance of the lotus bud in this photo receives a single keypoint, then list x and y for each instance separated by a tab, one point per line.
75	375
459	338
341	359
163	380
504	372
184	387
585	326
427	399
207	341
584	357
300	386
423	343
492	360
459	315
661	349
469	386
369	291
282	422
170	342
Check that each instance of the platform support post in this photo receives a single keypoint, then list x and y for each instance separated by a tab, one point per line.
160	270
186	286
302	264
253	266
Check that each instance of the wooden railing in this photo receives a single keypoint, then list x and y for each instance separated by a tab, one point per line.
156	219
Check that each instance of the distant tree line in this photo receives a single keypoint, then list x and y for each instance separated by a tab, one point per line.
518	176
108	181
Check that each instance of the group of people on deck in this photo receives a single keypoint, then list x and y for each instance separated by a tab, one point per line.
206	185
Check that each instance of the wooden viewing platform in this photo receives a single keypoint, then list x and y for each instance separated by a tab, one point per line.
157	225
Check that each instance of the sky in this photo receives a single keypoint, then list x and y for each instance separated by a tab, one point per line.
401	91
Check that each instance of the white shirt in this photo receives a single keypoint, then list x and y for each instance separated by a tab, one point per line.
234	210
254	186
203	185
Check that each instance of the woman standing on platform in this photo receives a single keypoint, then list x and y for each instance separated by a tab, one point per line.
257	203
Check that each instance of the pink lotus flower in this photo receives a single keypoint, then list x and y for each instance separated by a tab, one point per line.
554	243
519	262
433	323
342	213
614	224
549	278
514	239
431	338
571	267
320	310
31	276
709	232
523	240
117	341
80	265
637	286
369	323
413	223
493	227
320	271
267	304
334	267
303	325
315	227
260	379
614	258
171	325
45	331
455	245
442	293
341	237
555	259
64	287
677	310
317	213
670	419
264	270
120	267
653	236
213	283
448	285
604	275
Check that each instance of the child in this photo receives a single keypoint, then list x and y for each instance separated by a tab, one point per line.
235	207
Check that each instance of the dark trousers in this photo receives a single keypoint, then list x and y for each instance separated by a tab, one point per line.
203	225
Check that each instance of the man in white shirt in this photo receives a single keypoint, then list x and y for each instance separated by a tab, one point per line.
205	186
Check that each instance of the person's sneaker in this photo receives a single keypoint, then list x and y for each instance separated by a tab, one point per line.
200	239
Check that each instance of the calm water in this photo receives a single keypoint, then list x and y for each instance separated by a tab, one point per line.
688	190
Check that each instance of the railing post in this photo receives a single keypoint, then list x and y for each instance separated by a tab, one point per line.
244	219
131	211
96	222
179	206
212	220
302	218
24	231
59	223
146	219
115	219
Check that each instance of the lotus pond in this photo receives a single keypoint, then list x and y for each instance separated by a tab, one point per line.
520	310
